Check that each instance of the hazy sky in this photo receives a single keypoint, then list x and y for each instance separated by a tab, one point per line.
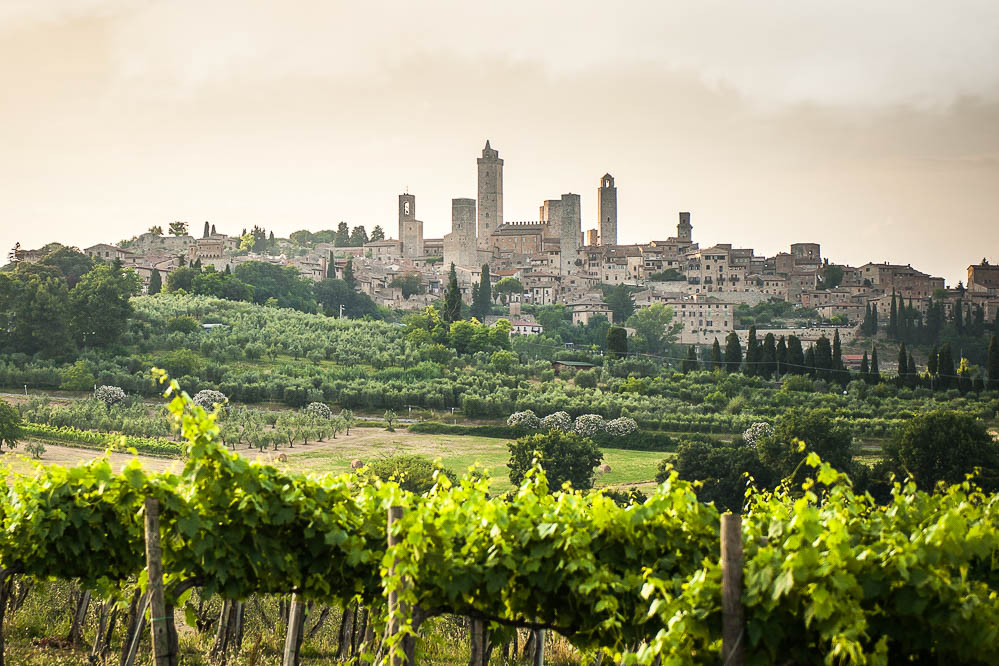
871	128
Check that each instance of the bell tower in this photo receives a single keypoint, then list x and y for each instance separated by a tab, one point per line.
607	210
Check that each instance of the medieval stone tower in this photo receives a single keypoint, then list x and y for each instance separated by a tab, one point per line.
459	245
410	228
490	194
570	229
607	210
683	229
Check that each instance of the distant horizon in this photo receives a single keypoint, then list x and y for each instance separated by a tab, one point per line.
874	133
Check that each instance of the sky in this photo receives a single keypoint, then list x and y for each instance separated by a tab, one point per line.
871	128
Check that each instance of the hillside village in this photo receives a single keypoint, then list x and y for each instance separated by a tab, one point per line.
553	260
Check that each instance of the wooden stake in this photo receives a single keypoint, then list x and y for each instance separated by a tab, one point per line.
733	614
395	607
296	613
163	655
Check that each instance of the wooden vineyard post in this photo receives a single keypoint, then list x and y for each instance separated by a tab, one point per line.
292	641
396	608
163	654
733	614
539	649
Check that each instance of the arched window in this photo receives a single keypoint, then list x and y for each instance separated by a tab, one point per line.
405	208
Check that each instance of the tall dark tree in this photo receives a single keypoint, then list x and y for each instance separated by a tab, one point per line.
733	352
207	230
100	305
617	342
781	357
945	366
893	318
874	320
795	356
752	354
768	356
377	233
155	283
690	363
716	355
993	364
823	357
931	362
621	303
482	295
903	363
959	316
837	359
452	298
865	367
913	371
865	327
875	370
348	274
358	236
810	361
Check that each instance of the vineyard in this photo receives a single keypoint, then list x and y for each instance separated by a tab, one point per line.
829	574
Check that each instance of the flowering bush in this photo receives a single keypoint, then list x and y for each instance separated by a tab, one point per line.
589	425
207	399
109	395
319	409
526	419
621	427
756	432
557	421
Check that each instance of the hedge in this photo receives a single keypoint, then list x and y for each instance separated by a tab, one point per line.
641	440
88	439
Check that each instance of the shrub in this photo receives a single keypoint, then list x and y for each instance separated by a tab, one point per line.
35	449
526	419
207	399
411	472
557	421
183	324
621	427
756	432
109	395
586	379
589	425
10	426
564	456
320	409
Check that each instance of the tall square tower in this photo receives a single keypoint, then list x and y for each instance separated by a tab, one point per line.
607	210
490	201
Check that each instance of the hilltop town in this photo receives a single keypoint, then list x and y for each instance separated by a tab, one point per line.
553	260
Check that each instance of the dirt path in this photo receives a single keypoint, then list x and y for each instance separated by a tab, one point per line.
67	455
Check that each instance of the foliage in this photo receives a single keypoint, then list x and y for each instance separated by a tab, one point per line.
588	425
620	301
654	328
557	421
621	427
209	400
320	410
526	419
10	426
413	473
757	432
99	305
564	456
109	395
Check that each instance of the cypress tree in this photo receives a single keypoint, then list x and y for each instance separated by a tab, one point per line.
837	357
874	320
993	364
330	269
865	367
769	356
945	366
781	357
733	352
866	326
348	274
959	316
752	354
795	356
617	341
155	283
903	363
716	356
823	357
810	361
875	370
913	371
482	296
893	318
690	363
452	298
228	270
931	362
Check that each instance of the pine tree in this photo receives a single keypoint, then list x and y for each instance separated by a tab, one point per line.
781	357
716	356
482	296
690	363
342	236
155	282
733	352
993	364
769	356
752	354
875	370
377	233
452	298
348	274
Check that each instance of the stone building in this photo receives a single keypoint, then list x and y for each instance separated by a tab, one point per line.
684	229
983	278
490	201
410	228
607	210
703	319
519	238
460	244
570	230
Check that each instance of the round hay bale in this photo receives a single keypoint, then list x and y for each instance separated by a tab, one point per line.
356	464
603	469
